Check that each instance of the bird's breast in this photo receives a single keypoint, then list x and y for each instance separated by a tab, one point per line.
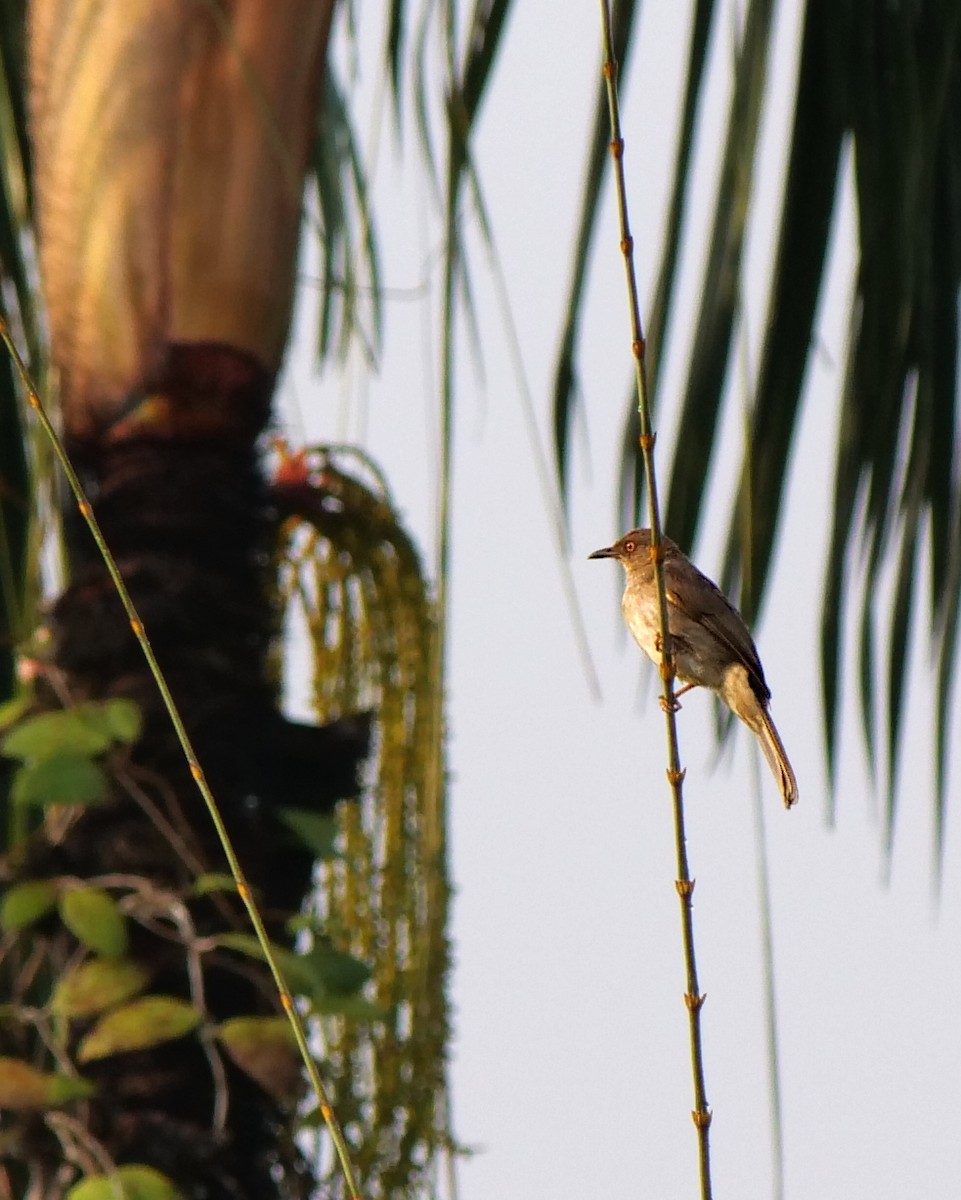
695	648
643	620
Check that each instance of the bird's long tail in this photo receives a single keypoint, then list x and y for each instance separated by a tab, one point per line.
776	756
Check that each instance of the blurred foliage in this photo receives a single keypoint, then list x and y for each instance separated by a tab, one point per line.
19	300
346	234
78	955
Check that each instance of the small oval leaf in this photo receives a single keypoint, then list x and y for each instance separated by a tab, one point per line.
133	1181
136	1026
96	985
296	971
79	730
96	1187
318	833
351	1008
337	973
27	902
123	719
94	919
12	710
265	1047
213	881
61	779
322	973
24	1087
141	1182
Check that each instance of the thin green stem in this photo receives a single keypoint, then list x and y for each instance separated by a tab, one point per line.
243	887
693	997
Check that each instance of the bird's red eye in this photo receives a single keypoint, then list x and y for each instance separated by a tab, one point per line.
630	547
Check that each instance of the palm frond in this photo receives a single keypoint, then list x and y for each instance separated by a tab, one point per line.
885	81
18	299
658	323
902	80
721	286
394	51
347	235
565	372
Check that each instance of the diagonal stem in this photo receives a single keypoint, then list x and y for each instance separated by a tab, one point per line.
243	887
693	997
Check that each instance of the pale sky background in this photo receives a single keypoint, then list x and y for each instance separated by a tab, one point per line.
570	1068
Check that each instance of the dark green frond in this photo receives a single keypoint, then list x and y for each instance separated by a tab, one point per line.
483	42
806	216
866	677
945	674
394	51
721	286
631	473
659	320
13	58
466	87
421	103
15	509
565	373
17	279
898	643
899	425
348	242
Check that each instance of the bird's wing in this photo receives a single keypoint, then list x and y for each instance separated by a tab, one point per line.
711	608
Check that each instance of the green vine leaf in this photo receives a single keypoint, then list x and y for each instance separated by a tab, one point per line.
24	1087
213	881
66	778
324	974
352	1008
12	710
139	1025
96	985
133	1181
27	902
290	964
266	1049
336	973
80	731
94	919
123	720
86	729
316	832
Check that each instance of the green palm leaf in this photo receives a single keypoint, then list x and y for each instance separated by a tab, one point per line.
885	82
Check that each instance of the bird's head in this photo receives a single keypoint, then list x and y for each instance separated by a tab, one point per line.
632	548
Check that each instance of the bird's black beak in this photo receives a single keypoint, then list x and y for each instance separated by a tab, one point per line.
607	552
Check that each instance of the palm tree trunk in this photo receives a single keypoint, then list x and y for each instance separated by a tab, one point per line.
171	143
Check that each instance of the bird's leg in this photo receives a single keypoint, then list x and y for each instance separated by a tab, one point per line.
674	705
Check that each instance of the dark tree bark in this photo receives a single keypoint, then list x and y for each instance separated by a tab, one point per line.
168	214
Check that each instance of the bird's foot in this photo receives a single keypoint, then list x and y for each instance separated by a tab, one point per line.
674	704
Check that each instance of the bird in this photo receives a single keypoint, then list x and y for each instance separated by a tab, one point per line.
710	642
